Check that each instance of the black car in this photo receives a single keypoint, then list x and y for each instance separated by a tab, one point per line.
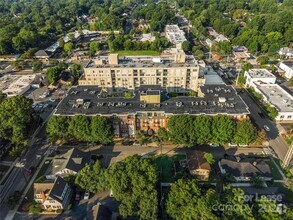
127	143
261	115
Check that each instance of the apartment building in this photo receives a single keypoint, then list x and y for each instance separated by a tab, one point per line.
150	107
174	73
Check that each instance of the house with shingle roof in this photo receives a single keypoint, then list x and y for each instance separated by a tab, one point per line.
243	169
53	195
198	165
68	164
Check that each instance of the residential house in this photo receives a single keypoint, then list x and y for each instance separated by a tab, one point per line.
246	168
67	164
41	55
198	165
53	196
286	52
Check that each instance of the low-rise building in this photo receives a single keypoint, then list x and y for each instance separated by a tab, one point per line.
68	164
175	35
277	97
260	76
218	37
54	195
246	168
198	165
287	66
42	55
13	85
150	107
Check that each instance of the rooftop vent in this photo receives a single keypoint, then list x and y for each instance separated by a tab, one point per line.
222	99
79	101
179	104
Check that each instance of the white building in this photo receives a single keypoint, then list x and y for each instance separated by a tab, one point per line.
286	52
259	75
16	85
277	97
287	66
175	35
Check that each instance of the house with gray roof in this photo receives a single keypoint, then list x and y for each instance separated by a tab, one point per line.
68	164
53	196
243	169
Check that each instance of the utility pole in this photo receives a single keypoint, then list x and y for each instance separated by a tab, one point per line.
288	156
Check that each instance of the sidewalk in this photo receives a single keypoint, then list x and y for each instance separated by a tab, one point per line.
11	213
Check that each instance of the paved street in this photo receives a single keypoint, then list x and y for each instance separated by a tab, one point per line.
276	142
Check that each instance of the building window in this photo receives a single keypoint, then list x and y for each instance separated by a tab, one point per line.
289	116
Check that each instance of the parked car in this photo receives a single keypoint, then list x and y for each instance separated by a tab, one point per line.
266	128
86	195
77	196
30	170
136	144
261	115
127	143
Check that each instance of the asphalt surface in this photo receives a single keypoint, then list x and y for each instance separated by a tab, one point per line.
275	140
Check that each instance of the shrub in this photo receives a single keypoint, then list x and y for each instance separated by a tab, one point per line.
59	211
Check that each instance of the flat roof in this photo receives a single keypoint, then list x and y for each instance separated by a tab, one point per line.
288	63
142	62
14	84
277	96
260	73
90	100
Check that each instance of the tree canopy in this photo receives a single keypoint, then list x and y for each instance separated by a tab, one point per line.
186	201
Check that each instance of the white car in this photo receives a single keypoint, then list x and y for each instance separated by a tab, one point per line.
86	195
266	128
111	193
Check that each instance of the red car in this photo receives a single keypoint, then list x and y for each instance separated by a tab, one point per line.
30	170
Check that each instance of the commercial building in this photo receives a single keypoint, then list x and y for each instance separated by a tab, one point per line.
150	107
277	97
175	35
13	85
177	72
260	76
287	66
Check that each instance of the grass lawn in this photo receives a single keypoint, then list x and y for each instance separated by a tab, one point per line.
275	171
137	52
166	166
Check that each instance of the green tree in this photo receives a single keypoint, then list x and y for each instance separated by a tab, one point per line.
80	128
133	182
57	128
223	129
266	209
246	67
223	48
68	47
186	46
245	132
144	141
186	201
202	126
37	66
128	45
94	47
263	60
16	118
291	82
75	71
210	158
53	74
71	36
241	80
234	197
61	43
93	178
163	134
127	95
181	131
102	130
199	54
